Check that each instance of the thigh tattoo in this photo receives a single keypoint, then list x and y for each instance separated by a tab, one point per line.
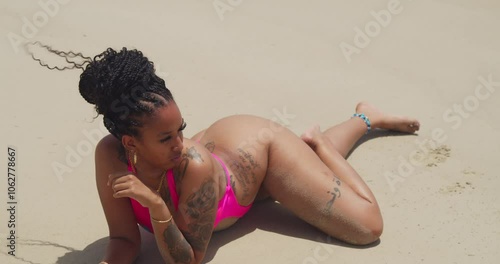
335	193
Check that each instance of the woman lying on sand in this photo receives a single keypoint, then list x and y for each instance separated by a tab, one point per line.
184	189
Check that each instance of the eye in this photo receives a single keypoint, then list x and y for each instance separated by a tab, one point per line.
184	125
165	139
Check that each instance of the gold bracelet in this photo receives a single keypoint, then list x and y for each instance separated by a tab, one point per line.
162	221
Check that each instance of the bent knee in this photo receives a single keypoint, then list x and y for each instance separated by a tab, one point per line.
369	232
362	231
370	235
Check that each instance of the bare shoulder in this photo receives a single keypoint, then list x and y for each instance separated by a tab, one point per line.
107	161
108	145
118	212
109	152
195	168
196	160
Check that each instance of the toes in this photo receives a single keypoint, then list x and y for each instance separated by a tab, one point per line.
414	126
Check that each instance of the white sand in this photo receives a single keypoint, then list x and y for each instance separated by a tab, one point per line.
261	58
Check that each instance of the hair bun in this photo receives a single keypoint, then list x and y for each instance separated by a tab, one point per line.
88	87
112	75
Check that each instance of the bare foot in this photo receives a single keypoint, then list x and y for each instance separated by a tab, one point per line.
381	120
313	137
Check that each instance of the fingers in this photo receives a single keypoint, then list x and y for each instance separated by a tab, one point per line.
120	183
114	176
124	184
122	193
123	189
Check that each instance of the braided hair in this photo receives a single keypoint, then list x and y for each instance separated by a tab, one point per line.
122	85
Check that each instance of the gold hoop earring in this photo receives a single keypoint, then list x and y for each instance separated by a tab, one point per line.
129	156
132	160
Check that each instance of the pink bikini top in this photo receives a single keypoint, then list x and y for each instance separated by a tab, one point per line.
228	205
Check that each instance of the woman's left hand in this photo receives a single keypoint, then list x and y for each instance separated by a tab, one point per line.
126	184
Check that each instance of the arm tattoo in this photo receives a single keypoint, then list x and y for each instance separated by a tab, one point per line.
178	247
193	154
201	207
335	194
181	168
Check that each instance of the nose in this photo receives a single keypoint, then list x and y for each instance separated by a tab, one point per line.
178	146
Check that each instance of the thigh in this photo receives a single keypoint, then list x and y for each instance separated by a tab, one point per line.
301	182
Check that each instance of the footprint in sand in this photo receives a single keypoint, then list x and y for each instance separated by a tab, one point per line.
457	188
470	172
436	155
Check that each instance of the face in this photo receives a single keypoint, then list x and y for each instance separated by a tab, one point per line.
161	141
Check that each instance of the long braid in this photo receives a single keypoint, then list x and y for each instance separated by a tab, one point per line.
63	54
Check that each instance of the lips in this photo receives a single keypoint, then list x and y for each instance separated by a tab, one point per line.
176	157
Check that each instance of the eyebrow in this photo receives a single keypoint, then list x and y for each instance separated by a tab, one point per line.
169	132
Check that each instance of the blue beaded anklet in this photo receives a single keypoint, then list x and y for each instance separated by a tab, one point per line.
365	119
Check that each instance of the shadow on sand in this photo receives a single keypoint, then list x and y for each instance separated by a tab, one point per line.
378	133
266	215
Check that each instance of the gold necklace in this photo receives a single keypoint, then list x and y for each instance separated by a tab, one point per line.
161	182
135	171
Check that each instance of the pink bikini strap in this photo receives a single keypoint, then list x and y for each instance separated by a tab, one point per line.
171	187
